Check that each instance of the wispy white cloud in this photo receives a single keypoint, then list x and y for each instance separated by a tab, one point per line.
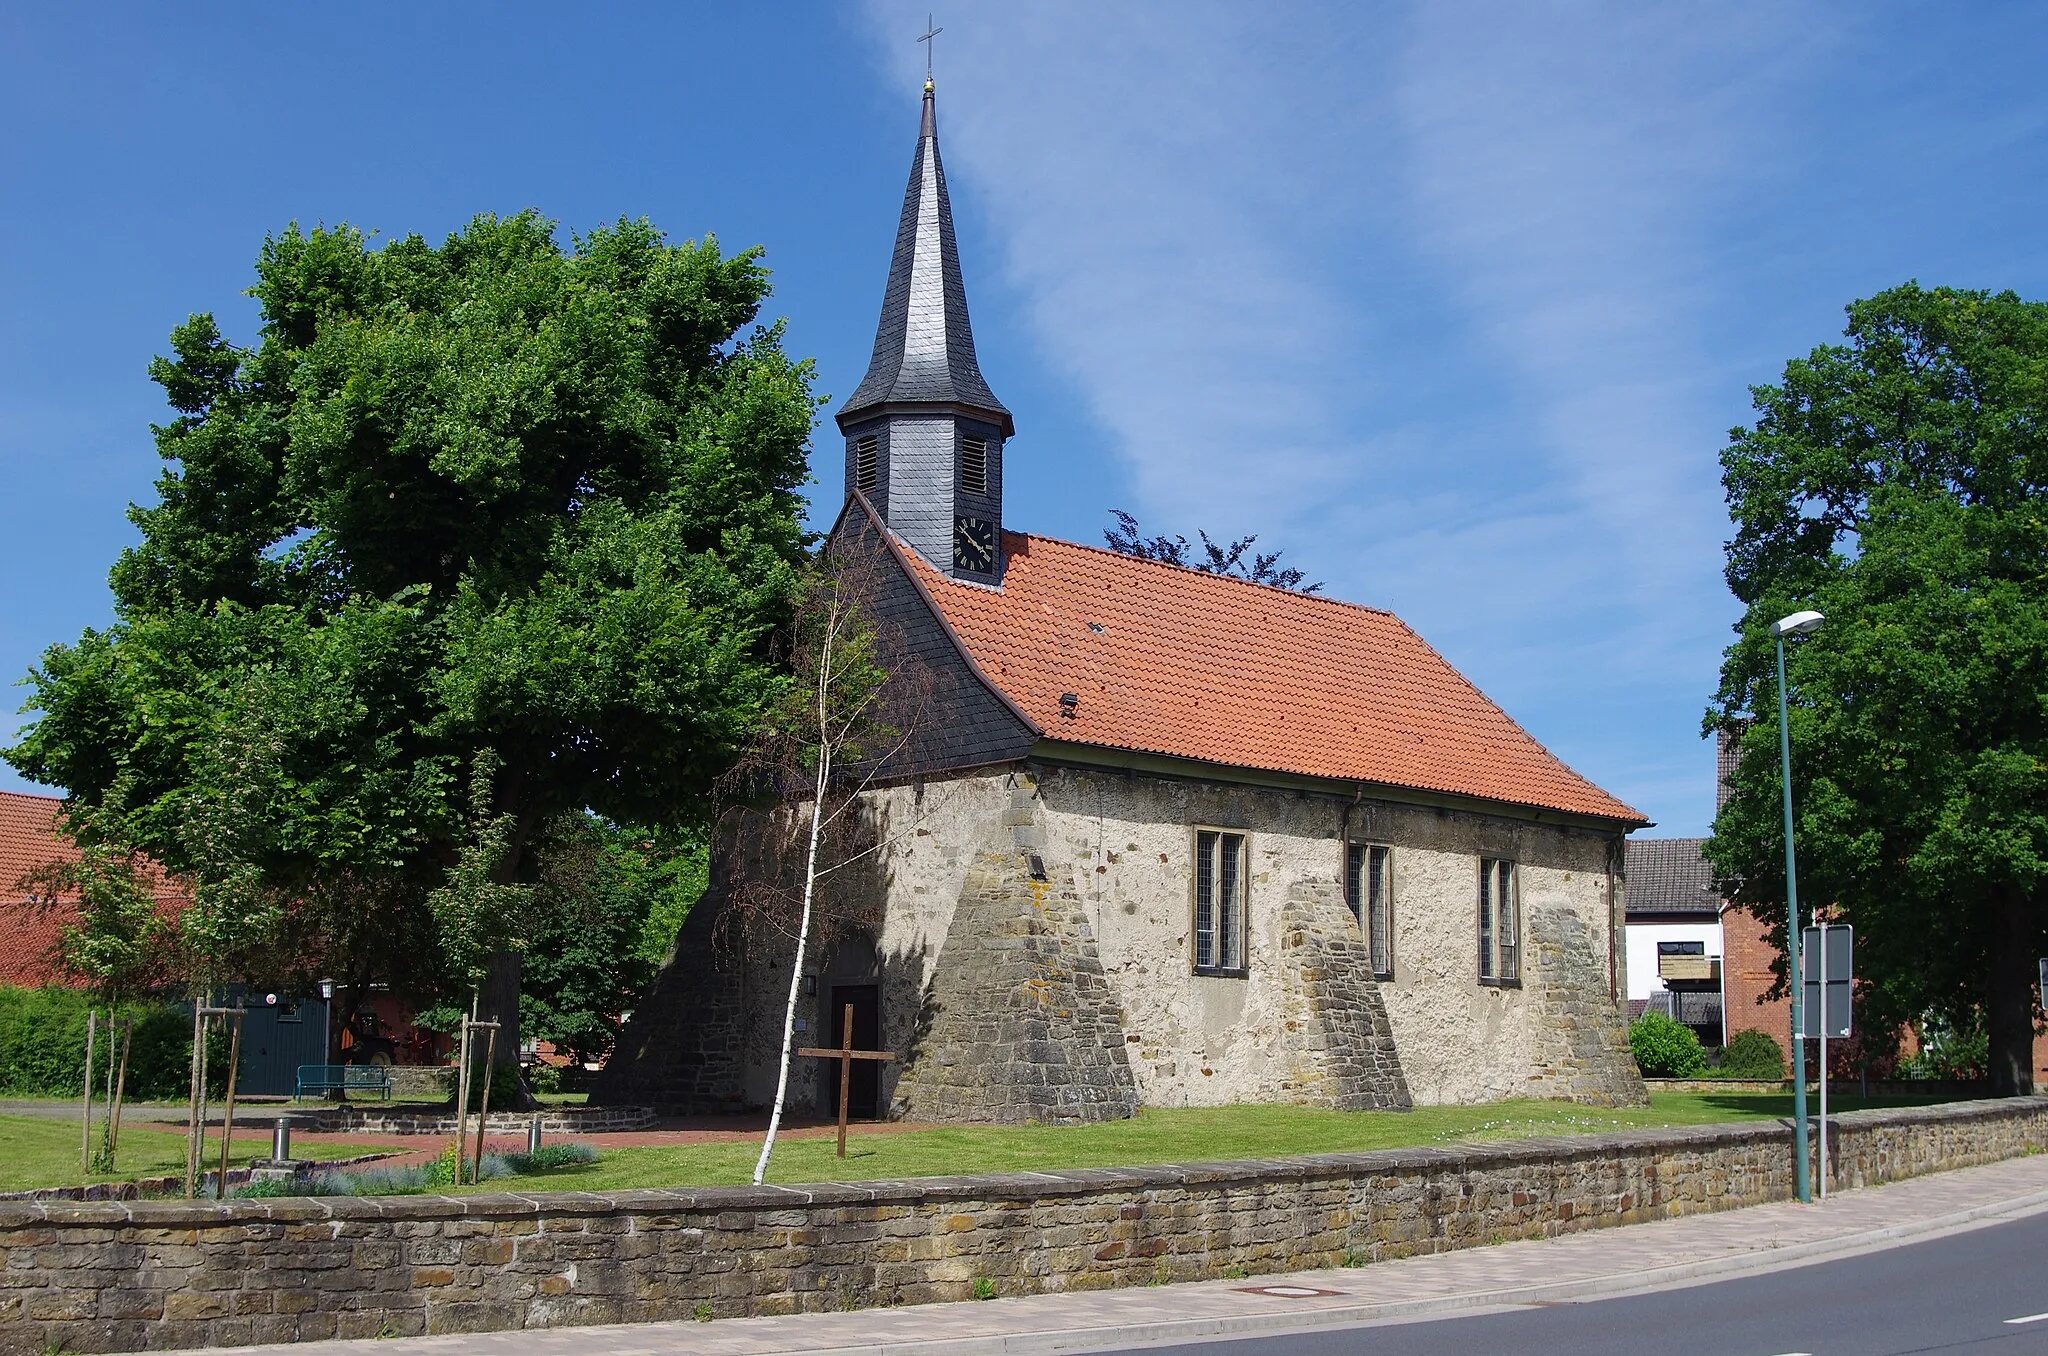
1141	172
1424	294
1565	167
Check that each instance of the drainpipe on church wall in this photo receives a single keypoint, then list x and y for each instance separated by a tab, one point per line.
1344	846
1616	920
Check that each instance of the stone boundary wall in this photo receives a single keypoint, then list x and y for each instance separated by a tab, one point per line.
560	1120
119	1276
422	1081
1840	1087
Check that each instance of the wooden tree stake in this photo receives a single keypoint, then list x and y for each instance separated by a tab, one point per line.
193	1132
120	1090
92	1016
227	1120
483	1106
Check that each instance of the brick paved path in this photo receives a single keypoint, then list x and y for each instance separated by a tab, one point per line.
1599	1262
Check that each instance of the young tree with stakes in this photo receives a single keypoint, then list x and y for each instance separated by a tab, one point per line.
839	726
117	940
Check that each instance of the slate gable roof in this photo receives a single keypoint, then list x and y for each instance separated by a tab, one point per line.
924	346
1669	878
1175	662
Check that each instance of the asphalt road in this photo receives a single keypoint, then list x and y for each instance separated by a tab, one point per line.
1956	1294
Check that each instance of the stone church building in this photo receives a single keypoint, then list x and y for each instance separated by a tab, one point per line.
1154	837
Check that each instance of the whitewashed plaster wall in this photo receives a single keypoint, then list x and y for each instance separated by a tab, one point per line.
1205	1041
1202	1041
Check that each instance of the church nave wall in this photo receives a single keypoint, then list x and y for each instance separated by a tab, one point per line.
1196	1040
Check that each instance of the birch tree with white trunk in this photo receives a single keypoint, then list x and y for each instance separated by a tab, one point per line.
831	739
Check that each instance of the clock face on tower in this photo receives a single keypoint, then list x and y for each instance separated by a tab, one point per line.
974	545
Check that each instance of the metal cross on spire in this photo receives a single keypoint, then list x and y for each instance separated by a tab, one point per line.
926	38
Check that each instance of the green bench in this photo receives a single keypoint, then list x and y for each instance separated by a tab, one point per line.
345	1077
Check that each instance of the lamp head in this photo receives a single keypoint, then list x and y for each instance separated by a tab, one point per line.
1798	624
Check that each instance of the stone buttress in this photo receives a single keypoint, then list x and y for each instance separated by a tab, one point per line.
1337	1041
1020	1023
685	1049
1587	1057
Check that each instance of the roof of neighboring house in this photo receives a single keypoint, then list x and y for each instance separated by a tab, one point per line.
1670	877
29	840
1180	663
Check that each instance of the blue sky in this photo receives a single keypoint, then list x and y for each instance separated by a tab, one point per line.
1454	302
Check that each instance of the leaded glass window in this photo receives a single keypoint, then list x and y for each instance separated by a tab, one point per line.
1368	889
1500	923
1219	902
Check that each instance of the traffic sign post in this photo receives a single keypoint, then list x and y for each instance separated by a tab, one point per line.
1827	1010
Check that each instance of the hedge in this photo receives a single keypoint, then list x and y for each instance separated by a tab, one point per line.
1751	1054
42	1045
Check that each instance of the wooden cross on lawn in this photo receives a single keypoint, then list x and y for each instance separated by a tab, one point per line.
846	1055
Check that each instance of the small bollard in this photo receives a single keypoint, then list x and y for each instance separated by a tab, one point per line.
281	1139
533	1134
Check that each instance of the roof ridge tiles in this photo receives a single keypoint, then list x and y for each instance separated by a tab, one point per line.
1208	574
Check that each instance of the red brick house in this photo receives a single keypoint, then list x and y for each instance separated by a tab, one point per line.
29	934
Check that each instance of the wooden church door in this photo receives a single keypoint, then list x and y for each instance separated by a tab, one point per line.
864	1086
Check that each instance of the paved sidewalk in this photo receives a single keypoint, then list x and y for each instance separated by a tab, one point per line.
1594	1264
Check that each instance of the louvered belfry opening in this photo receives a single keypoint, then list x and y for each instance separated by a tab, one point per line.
974	465
866	456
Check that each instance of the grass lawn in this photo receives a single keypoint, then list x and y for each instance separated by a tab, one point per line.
1155	1136
38	1152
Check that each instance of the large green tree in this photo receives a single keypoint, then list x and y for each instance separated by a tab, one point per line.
1899	484
610	901
475	537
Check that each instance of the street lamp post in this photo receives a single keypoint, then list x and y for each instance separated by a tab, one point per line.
1798	624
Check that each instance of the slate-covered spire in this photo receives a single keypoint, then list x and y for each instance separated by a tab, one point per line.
924	346
924	434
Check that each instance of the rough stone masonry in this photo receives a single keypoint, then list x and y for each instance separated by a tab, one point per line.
979	963
119	1276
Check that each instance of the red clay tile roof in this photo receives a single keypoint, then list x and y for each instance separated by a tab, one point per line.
1191	665
29	840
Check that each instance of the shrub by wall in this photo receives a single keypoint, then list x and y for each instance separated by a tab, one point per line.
1664	1048
1752	1054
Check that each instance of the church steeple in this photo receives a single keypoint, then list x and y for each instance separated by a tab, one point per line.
924	434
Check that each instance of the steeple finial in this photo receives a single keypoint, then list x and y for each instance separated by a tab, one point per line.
926	37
